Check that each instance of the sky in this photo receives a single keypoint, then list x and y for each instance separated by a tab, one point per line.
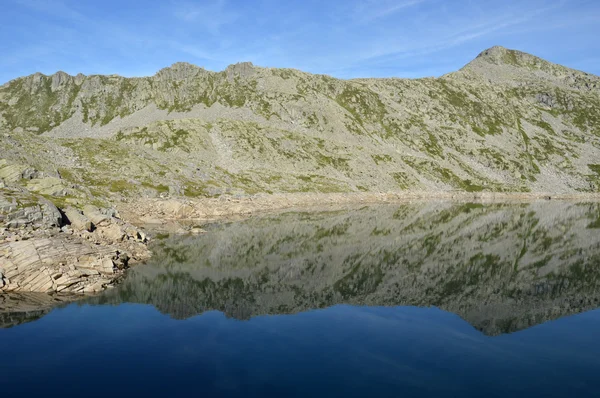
342	38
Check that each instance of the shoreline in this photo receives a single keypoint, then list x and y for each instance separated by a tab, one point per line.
156	211
49	260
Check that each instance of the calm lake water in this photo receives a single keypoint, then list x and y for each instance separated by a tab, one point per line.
426	299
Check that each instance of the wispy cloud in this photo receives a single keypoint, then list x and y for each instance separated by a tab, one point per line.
58	9
346	39
454	34
193	50
372	10
211	15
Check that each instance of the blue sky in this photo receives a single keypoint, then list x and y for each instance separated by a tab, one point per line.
352	38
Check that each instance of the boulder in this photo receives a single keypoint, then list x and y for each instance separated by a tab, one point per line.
51	216
112	233
110	212
11	172
121	261
30	209
97	217
78	221
50	186
106	266
30	173
134	233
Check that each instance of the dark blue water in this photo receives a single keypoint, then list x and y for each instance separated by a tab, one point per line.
421	300
133	350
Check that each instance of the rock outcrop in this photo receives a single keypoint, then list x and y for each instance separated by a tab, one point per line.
43	251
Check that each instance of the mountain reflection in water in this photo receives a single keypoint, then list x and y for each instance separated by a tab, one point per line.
501	267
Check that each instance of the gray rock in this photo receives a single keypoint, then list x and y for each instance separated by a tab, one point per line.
110	212
51	216
112	233
95	215
241	69
30	173
78	221
106	266
45	214
18	223
6	205
545	99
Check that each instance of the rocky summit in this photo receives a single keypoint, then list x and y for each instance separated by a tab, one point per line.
74	148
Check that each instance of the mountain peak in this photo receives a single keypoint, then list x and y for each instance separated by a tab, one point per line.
241	69
503	56
500	63
179	70
506	59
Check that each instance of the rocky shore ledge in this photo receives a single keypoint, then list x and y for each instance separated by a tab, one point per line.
86	249
69	251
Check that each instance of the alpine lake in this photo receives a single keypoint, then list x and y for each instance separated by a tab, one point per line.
435	299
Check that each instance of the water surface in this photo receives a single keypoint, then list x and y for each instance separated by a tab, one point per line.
427	299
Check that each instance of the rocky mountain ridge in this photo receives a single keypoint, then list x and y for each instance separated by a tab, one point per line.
506	122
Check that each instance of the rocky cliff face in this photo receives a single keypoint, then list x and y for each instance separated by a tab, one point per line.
507	121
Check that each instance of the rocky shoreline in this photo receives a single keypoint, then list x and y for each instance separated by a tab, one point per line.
155	211
46	250
86	250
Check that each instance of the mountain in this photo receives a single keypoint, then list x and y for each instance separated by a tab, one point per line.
507	121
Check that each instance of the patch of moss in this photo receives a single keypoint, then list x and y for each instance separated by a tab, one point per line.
442	174
160	188
543	125
335	162
316	183
381	158
404	180
363	104
432	146
595	168
119	186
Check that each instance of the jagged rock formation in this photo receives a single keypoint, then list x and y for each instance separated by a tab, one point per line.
43	250
507	121
502	267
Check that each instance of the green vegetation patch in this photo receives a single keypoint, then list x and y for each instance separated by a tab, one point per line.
442	174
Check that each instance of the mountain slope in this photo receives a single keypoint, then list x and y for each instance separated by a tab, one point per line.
507	121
